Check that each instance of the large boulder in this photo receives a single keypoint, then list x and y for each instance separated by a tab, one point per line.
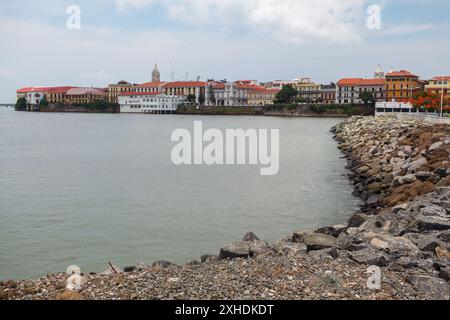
237	249
399	245
319	241
433	288
370	256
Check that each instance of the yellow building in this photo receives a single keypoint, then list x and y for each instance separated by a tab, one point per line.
185	88
84	95
262	97
402	85
436	85
115	89
308	90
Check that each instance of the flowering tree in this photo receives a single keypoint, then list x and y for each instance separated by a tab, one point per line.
428	101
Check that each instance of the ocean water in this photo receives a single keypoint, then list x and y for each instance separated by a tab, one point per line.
87	189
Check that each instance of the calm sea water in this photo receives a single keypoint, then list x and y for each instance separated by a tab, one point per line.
86	189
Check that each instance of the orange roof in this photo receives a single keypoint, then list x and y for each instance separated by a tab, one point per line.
32	89
401	73
446	78
361	82
151	85
140	93
249	86
183	84
265	91
59	90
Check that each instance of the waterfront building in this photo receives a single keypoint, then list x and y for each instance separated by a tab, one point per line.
402	85
382	108
115	89
84	95
348	90
185	88
154	86
262	97
328	93
149	102
57	94
233	93
437	84
308	91
279	84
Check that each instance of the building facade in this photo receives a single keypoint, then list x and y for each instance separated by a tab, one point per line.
402	85
328	93
349	90
148	102
185	88
84	95
262	97
114	90
308	91
437	84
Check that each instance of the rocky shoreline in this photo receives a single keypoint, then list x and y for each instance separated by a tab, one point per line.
400	169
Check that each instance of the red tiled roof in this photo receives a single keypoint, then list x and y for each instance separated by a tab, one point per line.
360	82
265	91
59	90
151	85
182	84
140	93
446	78
32	89
401	73
249	86
81	91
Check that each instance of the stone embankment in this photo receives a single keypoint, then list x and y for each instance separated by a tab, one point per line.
400	170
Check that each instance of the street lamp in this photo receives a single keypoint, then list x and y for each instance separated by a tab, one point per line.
442	98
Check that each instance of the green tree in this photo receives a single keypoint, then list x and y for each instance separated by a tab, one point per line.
191	98
286	95
367	98
212	96
43	102
201	99
21	104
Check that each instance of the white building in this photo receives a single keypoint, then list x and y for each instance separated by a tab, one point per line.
349	90
392	107
148	102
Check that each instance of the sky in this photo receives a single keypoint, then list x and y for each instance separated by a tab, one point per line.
222	39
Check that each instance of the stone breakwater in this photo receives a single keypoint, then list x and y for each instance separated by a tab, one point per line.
400	170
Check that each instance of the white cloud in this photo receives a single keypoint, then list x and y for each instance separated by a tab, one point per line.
406	29
335	21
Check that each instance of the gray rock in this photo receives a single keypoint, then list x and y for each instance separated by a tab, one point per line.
333	231
444	273
435	146
250	236
163	264
299	235
324	253
258	247
370	256
444	236
356	220
410	178
430	244
289	248
433	288
208	258
319	241
238	249
413	166
423	175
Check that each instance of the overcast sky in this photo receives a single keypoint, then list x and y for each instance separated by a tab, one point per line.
231	39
